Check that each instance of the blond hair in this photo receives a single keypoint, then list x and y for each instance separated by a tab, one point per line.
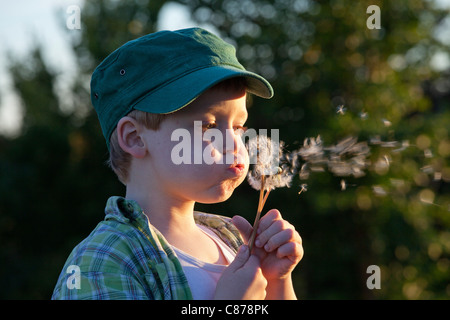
120	161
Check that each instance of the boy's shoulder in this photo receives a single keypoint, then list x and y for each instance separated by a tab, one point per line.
222	226
115	261
111	240
121	237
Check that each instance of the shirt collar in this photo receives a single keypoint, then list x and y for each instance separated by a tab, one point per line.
126	211
129	211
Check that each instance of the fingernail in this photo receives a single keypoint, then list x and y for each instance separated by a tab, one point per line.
258	243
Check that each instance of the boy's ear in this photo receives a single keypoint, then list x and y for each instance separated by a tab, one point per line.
129	137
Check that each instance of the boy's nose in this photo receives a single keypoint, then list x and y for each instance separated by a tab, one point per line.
231	142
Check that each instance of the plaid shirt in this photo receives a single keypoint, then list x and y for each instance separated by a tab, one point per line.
125	257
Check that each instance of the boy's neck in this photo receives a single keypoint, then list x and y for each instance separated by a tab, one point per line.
169	216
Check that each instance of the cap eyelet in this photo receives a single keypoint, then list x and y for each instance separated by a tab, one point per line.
122	72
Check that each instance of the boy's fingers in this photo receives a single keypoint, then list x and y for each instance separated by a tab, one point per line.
277	226
276	240
252	264
244	227
268	218
293	251
240	259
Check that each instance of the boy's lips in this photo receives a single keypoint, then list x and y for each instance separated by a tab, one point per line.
237	169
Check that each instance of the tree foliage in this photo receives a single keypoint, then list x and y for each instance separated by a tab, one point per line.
333	77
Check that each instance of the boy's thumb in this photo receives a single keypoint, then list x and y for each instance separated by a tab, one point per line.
240	259
244	227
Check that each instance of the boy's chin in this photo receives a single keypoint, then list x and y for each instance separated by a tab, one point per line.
216	199
219	192
219	195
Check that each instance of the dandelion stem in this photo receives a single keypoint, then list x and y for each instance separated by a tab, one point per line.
262	201
265	198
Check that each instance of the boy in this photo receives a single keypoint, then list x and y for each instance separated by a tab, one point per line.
152	245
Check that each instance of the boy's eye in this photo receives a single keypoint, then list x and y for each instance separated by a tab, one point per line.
210	125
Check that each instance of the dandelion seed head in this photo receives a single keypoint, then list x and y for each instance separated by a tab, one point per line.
267	155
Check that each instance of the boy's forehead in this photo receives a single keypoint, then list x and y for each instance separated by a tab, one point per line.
218	101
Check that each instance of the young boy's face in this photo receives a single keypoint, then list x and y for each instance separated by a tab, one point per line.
224	112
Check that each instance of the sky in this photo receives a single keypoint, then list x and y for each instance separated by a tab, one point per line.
24	23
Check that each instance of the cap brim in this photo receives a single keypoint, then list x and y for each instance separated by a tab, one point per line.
179	93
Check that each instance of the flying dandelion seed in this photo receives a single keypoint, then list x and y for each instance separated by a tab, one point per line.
304	172
304	188
348	157
387	159
386	122
376	140
389	144
379	191
343	185
427	196
437	176
427	169
363	115
405	144
340	109
276	167
312	150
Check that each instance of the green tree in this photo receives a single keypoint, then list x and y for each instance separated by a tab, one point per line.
322	59
49	172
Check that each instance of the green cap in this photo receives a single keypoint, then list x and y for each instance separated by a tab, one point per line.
163	72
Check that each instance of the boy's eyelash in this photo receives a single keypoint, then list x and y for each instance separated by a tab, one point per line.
240	128
212	125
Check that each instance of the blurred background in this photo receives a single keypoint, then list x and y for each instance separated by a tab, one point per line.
333	76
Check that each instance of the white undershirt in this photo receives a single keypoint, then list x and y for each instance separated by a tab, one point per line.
202	276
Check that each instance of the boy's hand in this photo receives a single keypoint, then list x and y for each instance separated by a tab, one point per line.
242	279
277	244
